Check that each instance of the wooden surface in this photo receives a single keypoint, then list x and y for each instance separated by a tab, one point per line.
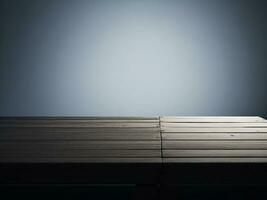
80	140
214	139
133	139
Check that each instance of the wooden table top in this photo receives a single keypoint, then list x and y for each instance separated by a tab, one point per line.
133	139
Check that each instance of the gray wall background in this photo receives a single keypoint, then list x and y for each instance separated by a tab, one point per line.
143	57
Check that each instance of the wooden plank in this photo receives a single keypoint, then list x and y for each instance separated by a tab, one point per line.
78	136
228	119
214	136
79	145
213	125
214	145
78	124
214	160
80	160
214	153
79	153
24	130
214	130
109	118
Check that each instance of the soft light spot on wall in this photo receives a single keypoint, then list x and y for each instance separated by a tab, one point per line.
131	58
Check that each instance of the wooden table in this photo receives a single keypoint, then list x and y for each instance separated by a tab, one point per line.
138	150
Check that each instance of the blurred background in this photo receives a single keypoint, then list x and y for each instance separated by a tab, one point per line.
141	57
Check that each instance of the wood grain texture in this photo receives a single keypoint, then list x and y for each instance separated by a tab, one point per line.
215	160
133	139
79	153
83	160
214	136
23	145
215	153
74	136
93	139
214	145
213	139
79	124
100	118
57	130
214	125
213	130
228	119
